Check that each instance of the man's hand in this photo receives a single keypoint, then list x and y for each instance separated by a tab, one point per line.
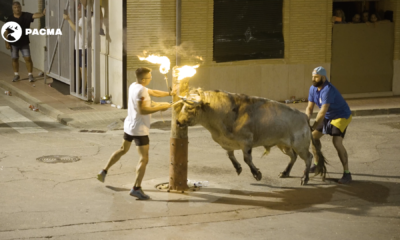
44	12
314	126
8	46
66	17
174	90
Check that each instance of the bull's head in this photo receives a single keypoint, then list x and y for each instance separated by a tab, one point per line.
191	110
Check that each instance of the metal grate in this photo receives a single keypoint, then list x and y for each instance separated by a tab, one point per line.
80	108
58	159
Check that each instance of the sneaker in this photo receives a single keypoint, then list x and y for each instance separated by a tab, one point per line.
139	194
101	176
16	78
346	179
31	78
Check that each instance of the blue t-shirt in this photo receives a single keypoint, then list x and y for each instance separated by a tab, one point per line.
338	107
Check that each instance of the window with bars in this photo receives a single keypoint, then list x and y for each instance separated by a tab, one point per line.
248	29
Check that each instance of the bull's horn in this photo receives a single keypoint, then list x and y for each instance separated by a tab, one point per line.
191	102
177	102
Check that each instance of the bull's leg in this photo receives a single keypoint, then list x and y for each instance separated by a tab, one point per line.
234	161
249	160
307	157
293	156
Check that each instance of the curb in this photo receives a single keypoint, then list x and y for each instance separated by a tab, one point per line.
43	107
375	112
66	120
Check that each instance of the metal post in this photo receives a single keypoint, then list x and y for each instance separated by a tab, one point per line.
84	70
77	75
96	46
45	48
179	136
58	38
89	49
71	47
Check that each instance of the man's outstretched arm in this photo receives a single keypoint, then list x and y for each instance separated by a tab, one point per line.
39	15
145	109
71	24
157	93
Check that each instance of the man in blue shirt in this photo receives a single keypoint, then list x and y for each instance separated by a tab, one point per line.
333	118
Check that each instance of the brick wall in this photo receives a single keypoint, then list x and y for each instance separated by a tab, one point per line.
393	5
307	38
151	26
307	30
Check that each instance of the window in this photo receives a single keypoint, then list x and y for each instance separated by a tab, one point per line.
5	9
247	29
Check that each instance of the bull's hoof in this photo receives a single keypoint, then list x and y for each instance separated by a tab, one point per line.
258	176
304	181
239	170
283	174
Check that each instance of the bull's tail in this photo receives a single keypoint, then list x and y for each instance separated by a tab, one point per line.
321	168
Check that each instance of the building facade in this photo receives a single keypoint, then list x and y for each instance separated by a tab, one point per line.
307	33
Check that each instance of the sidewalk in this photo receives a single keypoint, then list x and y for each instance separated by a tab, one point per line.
77	113
67	109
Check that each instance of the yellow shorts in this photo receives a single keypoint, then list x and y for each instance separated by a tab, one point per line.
341	123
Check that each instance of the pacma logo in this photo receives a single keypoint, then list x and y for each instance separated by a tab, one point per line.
43	32
14	31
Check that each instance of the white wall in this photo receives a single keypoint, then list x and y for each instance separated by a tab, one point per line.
111	54
37	42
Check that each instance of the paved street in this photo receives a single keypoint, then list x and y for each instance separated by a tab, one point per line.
42	200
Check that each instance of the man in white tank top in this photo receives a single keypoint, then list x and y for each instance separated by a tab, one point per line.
136	127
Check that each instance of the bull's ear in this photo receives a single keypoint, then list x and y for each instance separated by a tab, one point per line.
200	91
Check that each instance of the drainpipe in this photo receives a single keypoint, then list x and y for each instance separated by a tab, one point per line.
124	59
179	137
178	30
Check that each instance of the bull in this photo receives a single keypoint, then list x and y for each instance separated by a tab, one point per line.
241	122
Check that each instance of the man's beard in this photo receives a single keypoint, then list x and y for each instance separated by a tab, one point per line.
317	84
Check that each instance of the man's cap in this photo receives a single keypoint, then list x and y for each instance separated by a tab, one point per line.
320	71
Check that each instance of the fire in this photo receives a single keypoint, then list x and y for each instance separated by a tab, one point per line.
185	71
164	62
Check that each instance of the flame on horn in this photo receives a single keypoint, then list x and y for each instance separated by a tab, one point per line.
185	71
165	63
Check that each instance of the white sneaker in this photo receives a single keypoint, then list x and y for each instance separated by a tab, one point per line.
139	194
101	176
